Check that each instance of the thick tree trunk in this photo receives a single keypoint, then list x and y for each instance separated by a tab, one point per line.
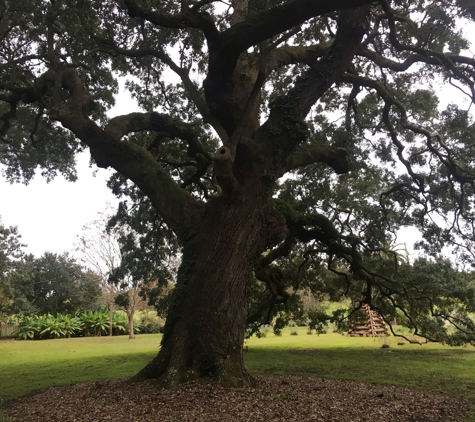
205	327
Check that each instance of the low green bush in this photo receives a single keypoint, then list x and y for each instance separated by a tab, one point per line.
94	323
150	322
120	323
85	324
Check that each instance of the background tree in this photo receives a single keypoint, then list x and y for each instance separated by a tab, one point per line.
99	251
128	271
336	93
150	252
10	253
53	284
128	299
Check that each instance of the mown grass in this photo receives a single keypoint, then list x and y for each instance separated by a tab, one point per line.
29	366
430	367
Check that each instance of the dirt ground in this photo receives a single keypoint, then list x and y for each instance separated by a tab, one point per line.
275	398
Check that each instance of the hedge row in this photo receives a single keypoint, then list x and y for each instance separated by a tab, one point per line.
84	324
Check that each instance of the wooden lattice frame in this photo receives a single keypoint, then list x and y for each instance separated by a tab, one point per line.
374	326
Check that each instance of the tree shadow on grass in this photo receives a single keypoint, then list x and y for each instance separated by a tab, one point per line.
451	371
30	378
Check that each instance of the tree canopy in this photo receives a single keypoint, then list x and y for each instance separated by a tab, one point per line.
52	284
282	143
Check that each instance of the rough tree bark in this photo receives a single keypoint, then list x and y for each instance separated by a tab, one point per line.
205	327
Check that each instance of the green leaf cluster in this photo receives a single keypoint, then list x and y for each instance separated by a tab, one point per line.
82	324
51	284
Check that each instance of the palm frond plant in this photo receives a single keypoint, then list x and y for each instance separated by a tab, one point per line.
27	328
101	322
70	325
94	323
119	323
50	327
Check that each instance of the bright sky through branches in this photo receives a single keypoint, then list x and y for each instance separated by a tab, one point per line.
49	216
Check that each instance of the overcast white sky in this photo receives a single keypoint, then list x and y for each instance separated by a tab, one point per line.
49	216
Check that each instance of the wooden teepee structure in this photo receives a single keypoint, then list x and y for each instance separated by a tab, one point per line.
374	325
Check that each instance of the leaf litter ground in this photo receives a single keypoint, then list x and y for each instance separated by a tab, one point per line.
275	398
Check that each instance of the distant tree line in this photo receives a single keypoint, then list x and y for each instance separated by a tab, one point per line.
56	295
51	284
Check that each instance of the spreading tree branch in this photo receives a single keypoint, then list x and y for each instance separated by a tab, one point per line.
179	209
227	48
120	126
310	154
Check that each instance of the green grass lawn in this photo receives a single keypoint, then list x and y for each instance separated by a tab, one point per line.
29	366
431	366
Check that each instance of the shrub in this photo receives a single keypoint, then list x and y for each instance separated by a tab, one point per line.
95	323
45	327
119	323
51	327
85	324
318	321
27	328
150	323
71	325
137	325
151	328
63	325
264	331
13	319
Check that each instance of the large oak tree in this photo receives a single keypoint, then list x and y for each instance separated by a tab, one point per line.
236	95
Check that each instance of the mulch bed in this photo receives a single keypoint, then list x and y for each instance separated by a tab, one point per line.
275	398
